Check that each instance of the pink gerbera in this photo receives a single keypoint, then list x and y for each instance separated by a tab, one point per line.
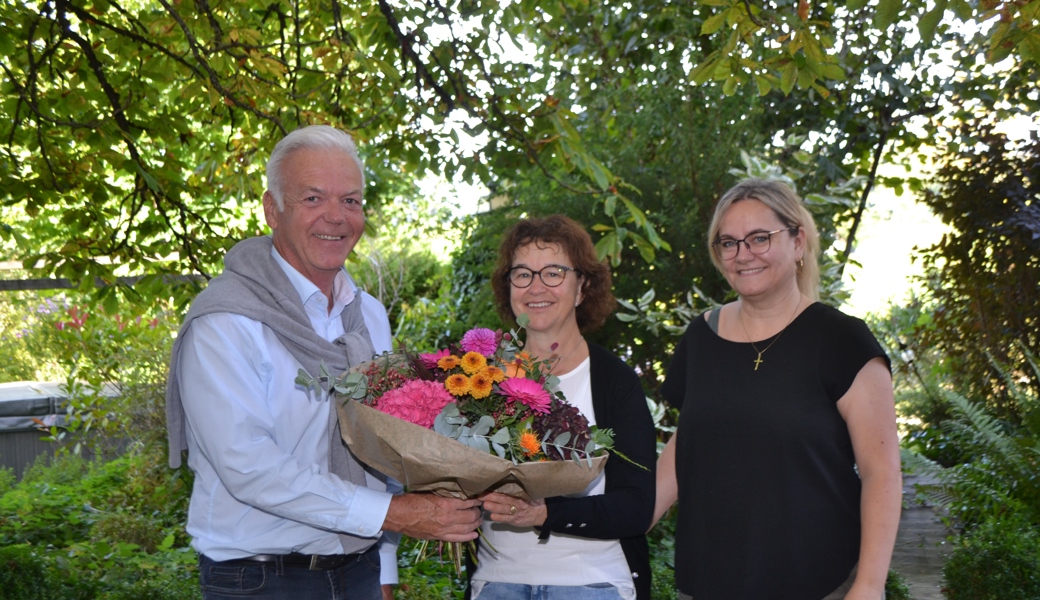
430	360
480	340
526	392
417	401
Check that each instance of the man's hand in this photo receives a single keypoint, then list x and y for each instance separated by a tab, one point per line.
432	517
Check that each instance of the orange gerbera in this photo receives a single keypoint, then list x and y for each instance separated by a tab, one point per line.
494	373
480	385
530	443
448	363
516	368
458	384
473	362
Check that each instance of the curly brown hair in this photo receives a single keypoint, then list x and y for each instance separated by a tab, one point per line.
577	245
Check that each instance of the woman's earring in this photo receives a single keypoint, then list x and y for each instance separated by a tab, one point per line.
801	264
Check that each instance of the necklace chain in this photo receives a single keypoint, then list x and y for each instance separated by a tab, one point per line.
758	360
581	339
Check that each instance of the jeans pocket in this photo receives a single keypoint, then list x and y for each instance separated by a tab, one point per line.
233	580
371	560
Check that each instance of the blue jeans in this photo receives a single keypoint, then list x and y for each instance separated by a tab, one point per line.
518	591
240	580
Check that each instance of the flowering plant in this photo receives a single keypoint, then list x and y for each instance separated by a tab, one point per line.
484	392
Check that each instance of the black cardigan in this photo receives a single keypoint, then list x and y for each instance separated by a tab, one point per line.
626	507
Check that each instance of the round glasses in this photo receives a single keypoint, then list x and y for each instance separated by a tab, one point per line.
551	275
757	243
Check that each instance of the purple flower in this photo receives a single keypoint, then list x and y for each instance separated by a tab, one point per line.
480	340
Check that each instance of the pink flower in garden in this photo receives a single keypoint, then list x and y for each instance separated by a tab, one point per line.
481	340
417	401
527	392
430	360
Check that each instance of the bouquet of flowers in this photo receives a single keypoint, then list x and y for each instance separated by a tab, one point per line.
480	415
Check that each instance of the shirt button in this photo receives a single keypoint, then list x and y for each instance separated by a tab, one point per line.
570	524
361	530
582	525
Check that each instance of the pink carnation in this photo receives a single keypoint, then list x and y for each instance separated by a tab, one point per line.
430	360
417	401
480	340
527	392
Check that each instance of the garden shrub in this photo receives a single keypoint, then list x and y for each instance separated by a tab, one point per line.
7	479
999	560
896	588
27	575
662	557
428	575
58	500
129	528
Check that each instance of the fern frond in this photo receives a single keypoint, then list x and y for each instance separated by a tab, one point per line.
985	429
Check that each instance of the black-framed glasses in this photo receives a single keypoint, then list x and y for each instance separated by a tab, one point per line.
551	275
757	243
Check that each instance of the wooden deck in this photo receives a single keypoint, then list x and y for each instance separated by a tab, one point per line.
921	546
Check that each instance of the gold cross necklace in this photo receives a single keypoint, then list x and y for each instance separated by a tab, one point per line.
758	360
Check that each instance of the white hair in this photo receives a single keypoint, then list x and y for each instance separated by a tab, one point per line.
312	137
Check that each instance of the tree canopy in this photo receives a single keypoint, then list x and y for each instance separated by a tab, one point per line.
136	131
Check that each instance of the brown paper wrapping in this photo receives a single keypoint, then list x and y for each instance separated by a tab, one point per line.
426	461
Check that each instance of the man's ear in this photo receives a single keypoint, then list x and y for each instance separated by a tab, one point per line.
271	211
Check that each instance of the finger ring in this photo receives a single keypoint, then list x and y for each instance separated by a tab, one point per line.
512	509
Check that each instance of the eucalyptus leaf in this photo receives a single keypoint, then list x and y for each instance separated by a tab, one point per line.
502	436
484	425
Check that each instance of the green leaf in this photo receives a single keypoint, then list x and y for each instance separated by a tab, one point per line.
730	87
607	246
646	250
887	13
764	87
856	5
930	20
714	22
788	77
832	71
634	212
1029	46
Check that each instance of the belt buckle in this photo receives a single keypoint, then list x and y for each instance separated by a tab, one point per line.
314	563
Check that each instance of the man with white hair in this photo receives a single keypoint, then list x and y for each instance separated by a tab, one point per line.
280	508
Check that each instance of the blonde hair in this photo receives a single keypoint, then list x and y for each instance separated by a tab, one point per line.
791	211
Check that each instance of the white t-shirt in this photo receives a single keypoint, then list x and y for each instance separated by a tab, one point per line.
561	559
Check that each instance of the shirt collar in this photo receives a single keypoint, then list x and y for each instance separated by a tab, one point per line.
343	287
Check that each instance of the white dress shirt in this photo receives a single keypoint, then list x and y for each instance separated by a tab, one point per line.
258	443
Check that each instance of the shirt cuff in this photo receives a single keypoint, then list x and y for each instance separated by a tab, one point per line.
367	512
388	558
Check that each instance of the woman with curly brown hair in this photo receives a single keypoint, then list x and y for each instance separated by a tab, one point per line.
592	545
